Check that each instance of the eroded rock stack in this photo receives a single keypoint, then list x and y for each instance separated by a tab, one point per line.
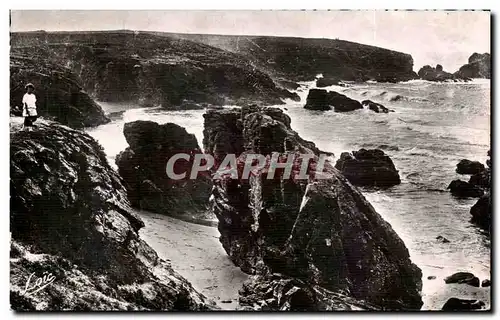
320	231
143	167
434	74
479	66
70	218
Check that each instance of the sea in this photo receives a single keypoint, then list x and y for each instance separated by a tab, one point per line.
433	127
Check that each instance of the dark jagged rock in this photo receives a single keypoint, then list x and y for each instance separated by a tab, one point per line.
442	239
319	99
276	292
434	74
370	167
485	283
469	167
462	189
302	59
143	168
481	212
153	69
456	304
479	66
70	218
303	228
374	106
59	93
326	82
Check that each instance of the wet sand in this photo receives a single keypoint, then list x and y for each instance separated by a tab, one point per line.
195	252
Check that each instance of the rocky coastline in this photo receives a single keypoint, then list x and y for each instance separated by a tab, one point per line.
305	244
71	222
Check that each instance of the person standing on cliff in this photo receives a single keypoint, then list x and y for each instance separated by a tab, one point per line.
29	107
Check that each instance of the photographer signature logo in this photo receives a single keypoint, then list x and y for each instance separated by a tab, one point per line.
35	284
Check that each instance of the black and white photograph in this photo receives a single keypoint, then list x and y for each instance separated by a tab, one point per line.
250	160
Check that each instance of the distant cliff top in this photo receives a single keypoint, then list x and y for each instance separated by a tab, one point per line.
296	59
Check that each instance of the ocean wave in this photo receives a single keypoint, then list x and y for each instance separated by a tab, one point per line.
426	154
460	82
385	95
385	147
421	187
416	151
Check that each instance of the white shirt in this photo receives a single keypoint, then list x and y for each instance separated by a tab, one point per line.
30	101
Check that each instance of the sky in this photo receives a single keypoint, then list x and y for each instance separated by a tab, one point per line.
431	37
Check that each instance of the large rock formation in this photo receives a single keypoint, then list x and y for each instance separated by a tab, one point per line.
143	167
463	277
73	229
320	99
368	168
60	95
463	189
434	74
320	231
479	66
301	59
469	167
151	70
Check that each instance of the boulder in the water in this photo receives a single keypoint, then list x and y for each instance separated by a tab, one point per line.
463	189
326	82
374	106
485	283
442	239
463	277
320	99
456	304
368	167
469	167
